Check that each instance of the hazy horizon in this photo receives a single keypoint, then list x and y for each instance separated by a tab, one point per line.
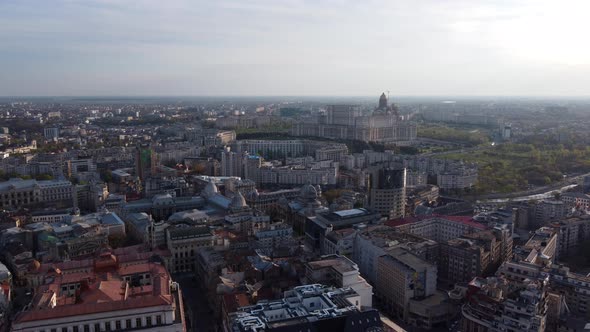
294	48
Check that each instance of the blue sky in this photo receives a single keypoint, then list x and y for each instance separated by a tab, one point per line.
294	47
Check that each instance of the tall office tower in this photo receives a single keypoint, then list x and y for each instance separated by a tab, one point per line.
387	191
143	161
231	163
51	133
252	166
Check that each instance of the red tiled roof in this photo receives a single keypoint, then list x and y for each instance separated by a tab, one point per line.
73	277
102	292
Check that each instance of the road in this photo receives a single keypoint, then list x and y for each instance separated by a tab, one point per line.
195	305
463	150
540	191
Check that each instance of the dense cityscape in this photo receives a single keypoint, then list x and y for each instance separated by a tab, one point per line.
294	166
268	215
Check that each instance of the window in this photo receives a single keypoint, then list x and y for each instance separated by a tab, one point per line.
148	321
137	322
86	328
118	325
128	323
75	329
159	320
107	326
97	327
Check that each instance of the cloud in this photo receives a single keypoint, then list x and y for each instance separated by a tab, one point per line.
296	47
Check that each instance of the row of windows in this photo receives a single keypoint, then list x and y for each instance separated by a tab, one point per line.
108	326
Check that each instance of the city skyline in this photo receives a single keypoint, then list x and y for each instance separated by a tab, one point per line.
293	48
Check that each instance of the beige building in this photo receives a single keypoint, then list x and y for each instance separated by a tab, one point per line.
384	124
341	272
401	277
16	193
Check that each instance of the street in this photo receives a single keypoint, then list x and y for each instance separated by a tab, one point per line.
198	315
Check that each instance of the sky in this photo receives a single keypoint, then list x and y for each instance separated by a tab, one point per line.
294	47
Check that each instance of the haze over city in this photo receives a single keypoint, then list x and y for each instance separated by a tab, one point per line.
297	165
321	48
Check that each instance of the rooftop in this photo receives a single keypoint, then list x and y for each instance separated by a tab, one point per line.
408	259
302	305
337	262
102	289
343	216
18	183
465	220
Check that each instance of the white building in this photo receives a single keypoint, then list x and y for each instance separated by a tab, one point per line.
340	271
402	276
576	200
439	229
138	296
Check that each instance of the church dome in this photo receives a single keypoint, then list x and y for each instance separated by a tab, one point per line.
238	201
210	190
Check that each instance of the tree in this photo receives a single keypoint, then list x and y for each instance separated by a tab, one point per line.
106	176
44	177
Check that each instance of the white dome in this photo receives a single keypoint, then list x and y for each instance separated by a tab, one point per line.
238	201
210	190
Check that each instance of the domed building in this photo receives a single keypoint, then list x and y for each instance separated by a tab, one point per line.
243	218
306	205
238	203
210	190
382	101
383	124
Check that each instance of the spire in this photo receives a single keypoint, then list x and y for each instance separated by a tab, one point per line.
383	101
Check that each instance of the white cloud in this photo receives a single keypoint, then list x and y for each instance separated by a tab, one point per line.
262	47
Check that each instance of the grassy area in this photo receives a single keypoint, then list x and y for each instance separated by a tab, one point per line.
468	135
514	167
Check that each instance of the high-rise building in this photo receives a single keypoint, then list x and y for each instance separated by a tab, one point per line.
143	161
252	166
387	191
51	133
402	276
231	163
343	115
